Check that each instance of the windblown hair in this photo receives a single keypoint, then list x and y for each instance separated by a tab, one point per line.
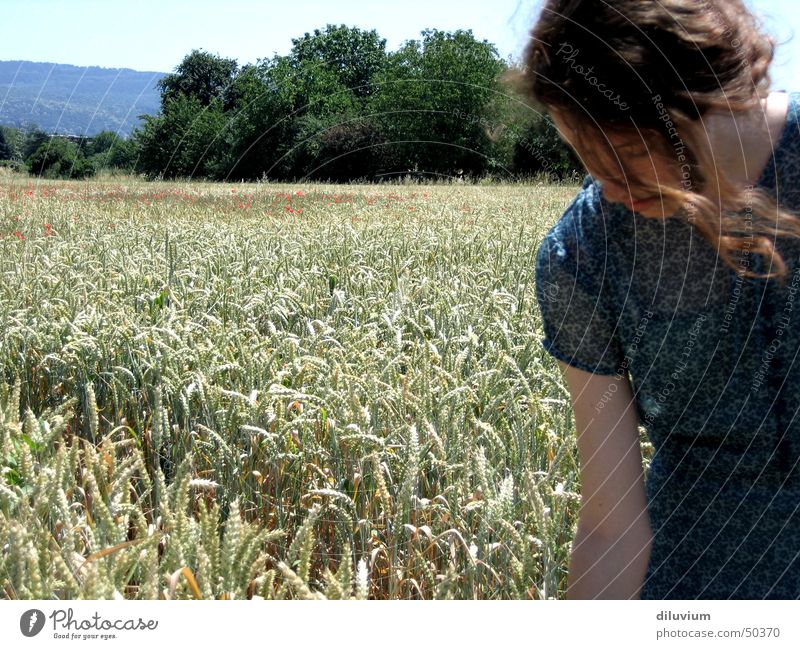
607	66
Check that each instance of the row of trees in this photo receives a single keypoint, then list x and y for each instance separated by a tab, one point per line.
338	107
51	156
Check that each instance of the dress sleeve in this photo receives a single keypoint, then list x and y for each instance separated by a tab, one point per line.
571	288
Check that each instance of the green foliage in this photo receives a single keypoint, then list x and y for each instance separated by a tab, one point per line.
103	142
294	112
540	150
59	158
184	141
348	150
526	140
14	139
433	98
200	75
353	56
13	165
6	152
107	150
318	100
188	139
261	128
32	139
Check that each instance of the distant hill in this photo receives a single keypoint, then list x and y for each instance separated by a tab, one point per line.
74	100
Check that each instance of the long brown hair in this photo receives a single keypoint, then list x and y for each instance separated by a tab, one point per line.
654	69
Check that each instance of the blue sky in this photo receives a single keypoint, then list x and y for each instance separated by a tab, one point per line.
154	35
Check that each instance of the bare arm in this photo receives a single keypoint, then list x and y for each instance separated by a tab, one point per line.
611	548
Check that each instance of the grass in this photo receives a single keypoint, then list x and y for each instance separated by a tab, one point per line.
311	391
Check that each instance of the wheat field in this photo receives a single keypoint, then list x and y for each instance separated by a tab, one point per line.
279	392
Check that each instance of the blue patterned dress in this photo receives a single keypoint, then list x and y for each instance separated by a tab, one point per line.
713	360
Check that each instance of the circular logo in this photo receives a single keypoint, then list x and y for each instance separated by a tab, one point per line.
31	622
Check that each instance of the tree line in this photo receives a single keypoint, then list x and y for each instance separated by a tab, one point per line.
339	107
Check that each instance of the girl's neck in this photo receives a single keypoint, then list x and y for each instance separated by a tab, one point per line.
743	144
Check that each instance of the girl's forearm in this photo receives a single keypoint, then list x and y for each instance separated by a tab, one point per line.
609	568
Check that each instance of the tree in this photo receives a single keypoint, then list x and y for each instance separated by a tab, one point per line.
325	82
200	75
525	138
186	140
318	101
354	56
5	149
14	139
188	137
292	112
59	158
260	124
33	138
540	150
109	150
433	98
343	151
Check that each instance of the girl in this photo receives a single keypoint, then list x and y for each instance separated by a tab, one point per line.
670	295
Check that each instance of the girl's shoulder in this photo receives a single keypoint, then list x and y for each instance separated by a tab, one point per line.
576	247
572	269
579	222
